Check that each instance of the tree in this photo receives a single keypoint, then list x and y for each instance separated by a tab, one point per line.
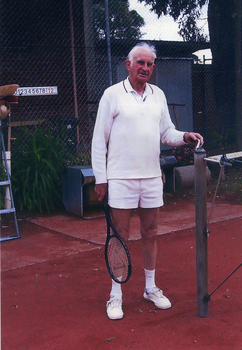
185	12
124	24
222	19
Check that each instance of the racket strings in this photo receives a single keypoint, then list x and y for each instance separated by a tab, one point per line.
118	259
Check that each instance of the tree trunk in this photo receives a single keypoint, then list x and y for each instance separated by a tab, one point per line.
221	22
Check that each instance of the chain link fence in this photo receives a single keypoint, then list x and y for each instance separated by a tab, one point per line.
63	56
44	44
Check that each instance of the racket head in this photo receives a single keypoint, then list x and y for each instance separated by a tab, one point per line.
117	256
117	259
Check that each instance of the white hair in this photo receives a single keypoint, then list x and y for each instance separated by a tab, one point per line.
145	45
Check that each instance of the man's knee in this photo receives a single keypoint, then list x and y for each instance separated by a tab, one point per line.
121	221
149	234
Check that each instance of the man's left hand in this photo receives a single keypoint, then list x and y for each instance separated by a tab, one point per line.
192	137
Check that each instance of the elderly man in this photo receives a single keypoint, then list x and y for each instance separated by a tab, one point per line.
132	119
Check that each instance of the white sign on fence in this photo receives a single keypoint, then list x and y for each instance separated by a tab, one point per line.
36	91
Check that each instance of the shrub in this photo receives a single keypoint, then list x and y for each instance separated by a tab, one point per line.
36	172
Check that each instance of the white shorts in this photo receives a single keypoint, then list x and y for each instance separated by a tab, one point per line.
131	194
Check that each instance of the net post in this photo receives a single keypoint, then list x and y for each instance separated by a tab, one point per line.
201	231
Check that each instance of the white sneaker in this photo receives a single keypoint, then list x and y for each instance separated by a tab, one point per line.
114	309
156	296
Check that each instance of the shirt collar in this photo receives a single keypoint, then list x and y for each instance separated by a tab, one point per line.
128	87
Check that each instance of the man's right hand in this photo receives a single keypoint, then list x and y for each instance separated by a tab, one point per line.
101	190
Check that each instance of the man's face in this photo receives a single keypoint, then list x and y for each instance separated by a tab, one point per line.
142	67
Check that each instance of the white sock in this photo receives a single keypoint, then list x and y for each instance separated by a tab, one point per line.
116	290
149	280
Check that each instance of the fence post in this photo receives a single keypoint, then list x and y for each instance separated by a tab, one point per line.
201	231
110	79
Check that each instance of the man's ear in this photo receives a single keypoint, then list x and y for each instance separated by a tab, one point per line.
153	68
128	64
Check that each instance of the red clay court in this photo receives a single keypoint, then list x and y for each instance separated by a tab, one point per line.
55	285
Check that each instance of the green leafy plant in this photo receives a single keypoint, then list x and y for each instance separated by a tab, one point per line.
80	157
222	141
36	172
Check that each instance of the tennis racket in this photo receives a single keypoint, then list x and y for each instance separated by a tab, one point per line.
117	256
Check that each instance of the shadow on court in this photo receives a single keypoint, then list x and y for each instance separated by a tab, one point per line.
55	285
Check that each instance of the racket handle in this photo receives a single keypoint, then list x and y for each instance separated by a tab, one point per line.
105	201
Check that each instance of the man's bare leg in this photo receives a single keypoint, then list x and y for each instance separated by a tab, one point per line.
121	220
148	229
148	222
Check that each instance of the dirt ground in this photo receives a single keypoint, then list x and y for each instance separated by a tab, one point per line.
55	284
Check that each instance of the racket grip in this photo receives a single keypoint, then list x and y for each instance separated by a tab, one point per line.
105	201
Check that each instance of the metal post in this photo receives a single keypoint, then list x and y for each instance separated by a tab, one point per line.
110	80
201	231
74	67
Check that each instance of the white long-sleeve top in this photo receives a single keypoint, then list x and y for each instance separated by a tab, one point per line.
128	131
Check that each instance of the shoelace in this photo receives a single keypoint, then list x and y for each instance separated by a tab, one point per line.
157	292
114	303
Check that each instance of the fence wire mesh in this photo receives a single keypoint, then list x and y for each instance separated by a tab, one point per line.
48	44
